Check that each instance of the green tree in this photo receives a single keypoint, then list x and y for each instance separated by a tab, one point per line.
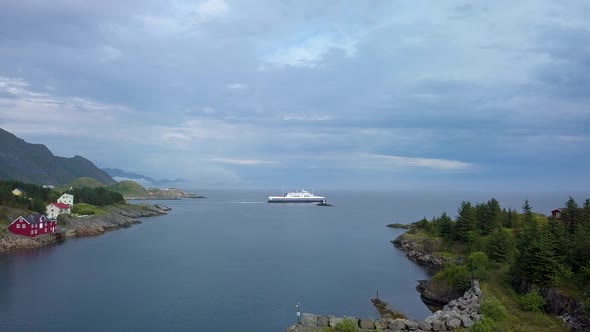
500	245
477	265
537	260
445	226
465	222
570	214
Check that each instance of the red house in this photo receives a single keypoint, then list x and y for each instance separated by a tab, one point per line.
556	214
32	225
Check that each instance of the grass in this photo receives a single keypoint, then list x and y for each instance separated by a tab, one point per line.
445	254
86	208
517	319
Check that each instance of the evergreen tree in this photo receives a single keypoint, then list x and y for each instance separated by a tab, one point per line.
505	218
570	213
481	217
465	222
494	215
560	238
445	226
580	251
500	245
537	260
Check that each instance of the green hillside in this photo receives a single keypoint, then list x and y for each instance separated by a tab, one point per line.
81	183
129	189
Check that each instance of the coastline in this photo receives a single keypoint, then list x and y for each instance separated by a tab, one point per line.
117	217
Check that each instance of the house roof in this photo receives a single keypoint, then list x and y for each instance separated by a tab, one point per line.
32	219
61	205
558	210
19	189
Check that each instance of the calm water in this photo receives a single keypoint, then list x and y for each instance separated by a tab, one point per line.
227	263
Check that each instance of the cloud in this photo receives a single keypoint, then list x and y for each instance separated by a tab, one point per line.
248	162
431	163
305	117
212	8
28	111
310	52
237	86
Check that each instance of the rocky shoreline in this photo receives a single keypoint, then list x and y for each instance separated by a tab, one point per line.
120	216
418	255
462	312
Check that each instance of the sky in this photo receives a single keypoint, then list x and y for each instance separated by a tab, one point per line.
438	95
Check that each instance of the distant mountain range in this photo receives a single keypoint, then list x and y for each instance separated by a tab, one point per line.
34	163
121	175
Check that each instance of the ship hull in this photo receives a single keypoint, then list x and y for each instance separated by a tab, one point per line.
280	199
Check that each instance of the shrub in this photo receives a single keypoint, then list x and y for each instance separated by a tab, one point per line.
455	276
483	325
347	325
532	301
492	308
477	264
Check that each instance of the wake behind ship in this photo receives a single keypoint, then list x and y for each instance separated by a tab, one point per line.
296	197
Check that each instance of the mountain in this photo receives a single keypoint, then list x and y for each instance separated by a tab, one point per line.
34	163
121	175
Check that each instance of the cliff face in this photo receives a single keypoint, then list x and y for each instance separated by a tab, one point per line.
34	163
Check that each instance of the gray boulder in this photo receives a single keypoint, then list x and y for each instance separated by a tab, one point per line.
453	323
323	321
425	326
309	319
332	321
367	323
396	325
438	325
410	324
466	321
381	324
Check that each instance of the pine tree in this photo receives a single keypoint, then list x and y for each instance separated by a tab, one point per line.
537	260
570	214
445	226
500	245
465	222
580	251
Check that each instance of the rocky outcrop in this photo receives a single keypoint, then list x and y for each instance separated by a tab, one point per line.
461	312
11	241
418	254
121	216
570	310
436	293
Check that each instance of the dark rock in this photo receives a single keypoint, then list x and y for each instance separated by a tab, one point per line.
367	323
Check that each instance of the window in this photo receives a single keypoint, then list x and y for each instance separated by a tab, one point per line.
17	225
45	229
32	232
24	225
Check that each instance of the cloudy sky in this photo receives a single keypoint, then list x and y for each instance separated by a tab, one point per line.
326	94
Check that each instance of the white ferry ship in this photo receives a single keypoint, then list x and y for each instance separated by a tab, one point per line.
296	197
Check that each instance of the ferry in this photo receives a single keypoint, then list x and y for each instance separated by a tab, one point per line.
297	197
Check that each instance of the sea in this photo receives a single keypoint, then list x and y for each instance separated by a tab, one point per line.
232	262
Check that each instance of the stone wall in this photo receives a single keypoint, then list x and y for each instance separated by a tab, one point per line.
462	312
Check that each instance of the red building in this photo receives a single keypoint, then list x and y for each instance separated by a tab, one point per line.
556	213
32	225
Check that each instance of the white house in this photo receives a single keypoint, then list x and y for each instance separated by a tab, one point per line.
55	209
66	199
